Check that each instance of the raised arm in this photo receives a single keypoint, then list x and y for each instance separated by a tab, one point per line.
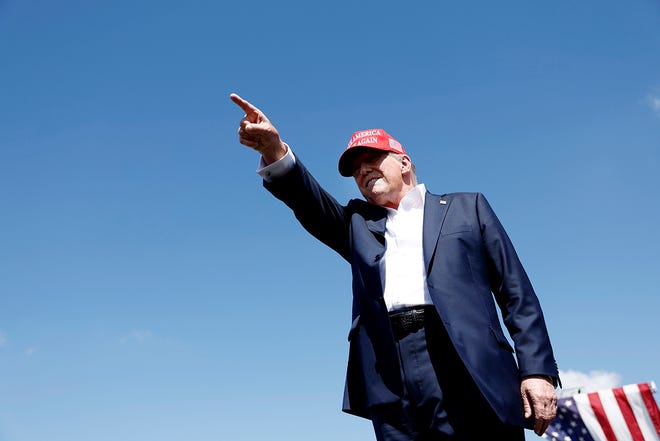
317	211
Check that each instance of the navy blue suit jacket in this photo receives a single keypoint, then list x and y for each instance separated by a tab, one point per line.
471	265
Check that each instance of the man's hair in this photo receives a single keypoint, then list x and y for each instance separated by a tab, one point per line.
413	171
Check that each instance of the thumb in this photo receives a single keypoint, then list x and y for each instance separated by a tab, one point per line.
258	128
252	126
527	406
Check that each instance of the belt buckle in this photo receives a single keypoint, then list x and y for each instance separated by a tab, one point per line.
405	322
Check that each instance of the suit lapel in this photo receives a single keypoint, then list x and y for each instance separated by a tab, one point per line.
375	218
371	248
435	209
377	225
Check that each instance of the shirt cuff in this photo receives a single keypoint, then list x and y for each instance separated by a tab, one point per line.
278	168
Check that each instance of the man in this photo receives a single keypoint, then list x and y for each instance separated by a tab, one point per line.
428	359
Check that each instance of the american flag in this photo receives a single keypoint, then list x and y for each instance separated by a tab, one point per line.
624	413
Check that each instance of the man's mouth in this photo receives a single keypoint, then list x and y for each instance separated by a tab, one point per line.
370	182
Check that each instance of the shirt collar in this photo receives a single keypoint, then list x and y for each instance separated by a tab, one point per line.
414	199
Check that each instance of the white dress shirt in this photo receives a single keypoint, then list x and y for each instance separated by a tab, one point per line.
402	268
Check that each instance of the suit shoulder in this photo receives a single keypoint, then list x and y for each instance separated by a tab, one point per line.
365	209
462	195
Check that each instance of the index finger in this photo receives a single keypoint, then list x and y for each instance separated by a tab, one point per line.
243	104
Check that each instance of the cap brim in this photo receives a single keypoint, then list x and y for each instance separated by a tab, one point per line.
346	159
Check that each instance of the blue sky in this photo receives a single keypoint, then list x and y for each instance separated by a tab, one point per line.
150	288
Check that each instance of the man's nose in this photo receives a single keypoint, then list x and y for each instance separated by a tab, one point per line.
363	168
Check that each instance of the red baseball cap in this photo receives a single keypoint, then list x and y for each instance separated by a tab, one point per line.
377	139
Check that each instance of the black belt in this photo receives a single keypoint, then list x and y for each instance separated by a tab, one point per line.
410	320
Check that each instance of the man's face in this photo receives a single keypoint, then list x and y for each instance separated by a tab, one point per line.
380	176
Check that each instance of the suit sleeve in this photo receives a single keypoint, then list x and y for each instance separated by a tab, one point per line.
513	291
316	210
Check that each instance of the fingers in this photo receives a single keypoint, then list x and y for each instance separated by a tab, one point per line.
243	104
257	132
247	135
547	410
253	125
540	401
540	425
543	411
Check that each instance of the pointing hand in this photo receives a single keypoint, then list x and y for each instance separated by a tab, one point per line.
257	132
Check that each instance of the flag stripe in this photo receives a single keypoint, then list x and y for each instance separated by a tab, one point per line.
651	405
634	395
588	417
601	416
614	415
628	415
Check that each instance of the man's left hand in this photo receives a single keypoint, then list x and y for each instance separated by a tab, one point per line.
539	400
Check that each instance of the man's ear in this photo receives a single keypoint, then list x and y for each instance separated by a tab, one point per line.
406	165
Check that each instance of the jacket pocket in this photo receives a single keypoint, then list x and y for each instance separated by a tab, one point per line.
448	230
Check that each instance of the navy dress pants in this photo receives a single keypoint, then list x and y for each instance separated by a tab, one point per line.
440	401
